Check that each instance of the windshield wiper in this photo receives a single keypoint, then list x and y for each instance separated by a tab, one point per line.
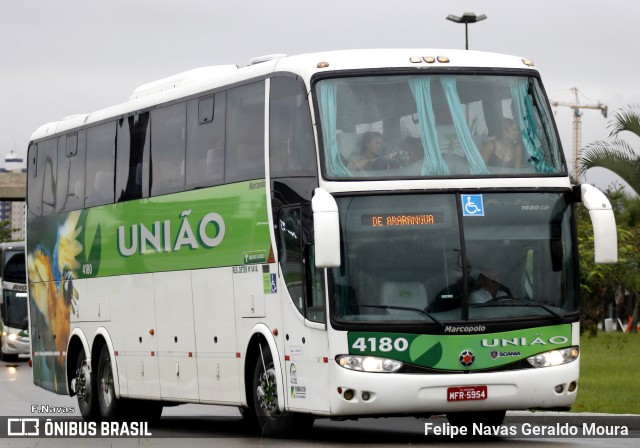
407	308
514	301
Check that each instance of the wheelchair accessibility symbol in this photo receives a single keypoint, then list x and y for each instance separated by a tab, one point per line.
472	205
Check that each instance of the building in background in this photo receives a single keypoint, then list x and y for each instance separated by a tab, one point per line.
14	211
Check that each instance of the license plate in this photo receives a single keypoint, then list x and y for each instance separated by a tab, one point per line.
467	393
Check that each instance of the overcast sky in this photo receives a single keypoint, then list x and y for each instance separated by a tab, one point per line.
62	57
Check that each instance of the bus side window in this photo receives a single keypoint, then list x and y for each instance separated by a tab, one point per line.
291	145
132	159
290	251
34	198
244	154
205	141
71	171
101	147
304	282
168	136
47	168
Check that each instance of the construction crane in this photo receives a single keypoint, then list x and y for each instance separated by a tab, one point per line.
577	123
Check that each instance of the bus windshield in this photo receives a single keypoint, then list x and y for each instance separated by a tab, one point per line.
436	126
14	309
14	267
454	257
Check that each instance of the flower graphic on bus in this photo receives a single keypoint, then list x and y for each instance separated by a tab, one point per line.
53	293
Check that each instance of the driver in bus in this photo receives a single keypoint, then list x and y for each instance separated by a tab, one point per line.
489	288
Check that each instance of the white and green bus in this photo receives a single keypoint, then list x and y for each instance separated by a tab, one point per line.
227	236
14	314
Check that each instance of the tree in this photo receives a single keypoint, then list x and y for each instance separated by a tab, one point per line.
5	230
619	157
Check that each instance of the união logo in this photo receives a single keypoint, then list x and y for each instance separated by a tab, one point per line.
162	236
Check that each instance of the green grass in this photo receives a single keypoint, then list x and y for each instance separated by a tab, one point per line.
609	374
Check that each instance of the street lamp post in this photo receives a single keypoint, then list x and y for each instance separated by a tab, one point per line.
467	18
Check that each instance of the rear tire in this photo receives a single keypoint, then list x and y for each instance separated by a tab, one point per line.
111	408
85	387
272	421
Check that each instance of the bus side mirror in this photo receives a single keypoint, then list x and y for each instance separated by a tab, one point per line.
326	229
605	235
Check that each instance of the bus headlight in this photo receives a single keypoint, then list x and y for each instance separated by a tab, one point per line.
12	336
554	357
368	363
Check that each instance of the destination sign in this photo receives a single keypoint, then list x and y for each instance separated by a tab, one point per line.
401	219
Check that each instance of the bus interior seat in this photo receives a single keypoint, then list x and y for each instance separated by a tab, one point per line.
404	294
347	145
452	150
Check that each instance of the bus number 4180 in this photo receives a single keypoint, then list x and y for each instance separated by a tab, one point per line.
385	344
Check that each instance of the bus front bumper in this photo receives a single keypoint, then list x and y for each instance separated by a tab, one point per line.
392	393
19	346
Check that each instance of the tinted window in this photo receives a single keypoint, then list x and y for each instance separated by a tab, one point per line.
34	184
291	144
244	157
14	268
205	141
133	157
71	156
101	141
47	169
168	135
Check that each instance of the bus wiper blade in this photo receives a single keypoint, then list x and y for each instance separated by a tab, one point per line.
514	301
394	307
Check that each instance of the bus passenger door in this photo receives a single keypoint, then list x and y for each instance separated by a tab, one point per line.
306	344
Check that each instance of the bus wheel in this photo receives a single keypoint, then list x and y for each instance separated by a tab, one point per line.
84	385
272	421
109	404
467	419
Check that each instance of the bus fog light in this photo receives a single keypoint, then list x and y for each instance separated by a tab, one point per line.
348	394
554	357
368	363
573	386
366	396
559	388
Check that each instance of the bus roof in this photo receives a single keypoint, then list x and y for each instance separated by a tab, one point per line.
305	65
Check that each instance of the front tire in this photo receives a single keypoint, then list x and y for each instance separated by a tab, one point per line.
272	421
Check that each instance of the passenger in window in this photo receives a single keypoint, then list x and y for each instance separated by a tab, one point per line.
371	157
506	150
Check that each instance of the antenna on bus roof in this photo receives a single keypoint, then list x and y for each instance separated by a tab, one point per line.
266	57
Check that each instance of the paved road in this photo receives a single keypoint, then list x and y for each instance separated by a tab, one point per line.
202	425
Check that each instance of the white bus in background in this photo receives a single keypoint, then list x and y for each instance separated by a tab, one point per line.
231	235
14	322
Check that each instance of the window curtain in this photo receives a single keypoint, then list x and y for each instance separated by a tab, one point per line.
474	158
328	110
433	163
527	123
547	124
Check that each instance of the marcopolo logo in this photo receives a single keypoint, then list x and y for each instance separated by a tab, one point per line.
209	232
464	329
